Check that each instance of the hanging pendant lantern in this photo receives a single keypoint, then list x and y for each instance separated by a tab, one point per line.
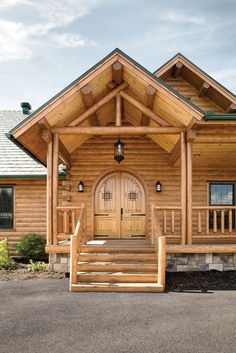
119	151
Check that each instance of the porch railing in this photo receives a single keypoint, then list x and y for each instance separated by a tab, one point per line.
166	221
77	239
67	220
215	220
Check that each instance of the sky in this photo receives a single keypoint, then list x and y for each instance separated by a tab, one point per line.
46	44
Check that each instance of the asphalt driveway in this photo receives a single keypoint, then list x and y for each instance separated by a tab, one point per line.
42	316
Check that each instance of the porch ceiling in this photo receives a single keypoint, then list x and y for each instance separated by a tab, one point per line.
68	105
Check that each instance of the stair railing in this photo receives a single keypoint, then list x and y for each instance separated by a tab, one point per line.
76	241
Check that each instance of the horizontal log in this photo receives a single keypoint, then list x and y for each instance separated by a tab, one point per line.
117	72
231	108
134	130
177	69
201	249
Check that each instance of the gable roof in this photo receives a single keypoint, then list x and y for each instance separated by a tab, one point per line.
14	162
68	104
93	68
222	93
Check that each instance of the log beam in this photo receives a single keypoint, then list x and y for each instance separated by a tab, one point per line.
149	101
122	130
98	105
231	108
117	72
46	135
175	154
191	135
203	90
118	110
177	69
145	110
87	98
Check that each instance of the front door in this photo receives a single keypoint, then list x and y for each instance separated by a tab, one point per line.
120	207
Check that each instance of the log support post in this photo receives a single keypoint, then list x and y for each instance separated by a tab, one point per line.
183	186
55	186
189	192
49	192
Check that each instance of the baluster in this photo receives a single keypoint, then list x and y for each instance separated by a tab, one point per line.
230	221
172	222
65	222
73	221
222	221
165	223
207	221
214	221
199	226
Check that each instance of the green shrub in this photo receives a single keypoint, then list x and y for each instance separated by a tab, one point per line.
37	266
6	262
32	247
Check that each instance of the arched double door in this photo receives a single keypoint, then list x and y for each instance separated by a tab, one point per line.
120	207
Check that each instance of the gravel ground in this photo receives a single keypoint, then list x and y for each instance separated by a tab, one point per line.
39	316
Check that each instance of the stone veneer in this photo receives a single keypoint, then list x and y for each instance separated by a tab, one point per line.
200	262
175	262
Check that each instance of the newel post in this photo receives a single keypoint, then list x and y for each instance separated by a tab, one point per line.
183	186
162	261
49	193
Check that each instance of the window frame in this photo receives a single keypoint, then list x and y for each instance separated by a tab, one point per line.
12	226
221	183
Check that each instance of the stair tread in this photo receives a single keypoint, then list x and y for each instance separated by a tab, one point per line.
113	284
104	263
94	273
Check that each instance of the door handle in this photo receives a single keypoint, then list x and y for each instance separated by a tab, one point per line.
101	214
138	214
121	213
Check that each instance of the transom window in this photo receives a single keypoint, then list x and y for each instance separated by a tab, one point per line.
6	207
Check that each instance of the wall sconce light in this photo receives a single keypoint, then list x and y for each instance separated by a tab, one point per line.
158	186
80	186
119	151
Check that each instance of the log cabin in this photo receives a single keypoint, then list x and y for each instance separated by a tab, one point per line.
150	161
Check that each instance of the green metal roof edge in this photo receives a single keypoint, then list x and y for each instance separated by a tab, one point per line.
117	50
198	68
210	116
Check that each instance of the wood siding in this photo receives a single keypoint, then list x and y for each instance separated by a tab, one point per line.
191	93
29	209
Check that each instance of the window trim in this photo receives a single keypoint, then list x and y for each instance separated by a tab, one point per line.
233	183
12	227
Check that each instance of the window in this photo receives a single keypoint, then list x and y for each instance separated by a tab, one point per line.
6	207
221	194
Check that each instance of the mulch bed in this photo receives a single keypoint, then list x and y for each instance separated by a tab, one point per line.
175	281
24	274
205	280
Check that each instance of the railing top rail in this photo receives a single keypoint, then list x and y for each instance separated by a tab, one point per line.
214	208
171	208
65	208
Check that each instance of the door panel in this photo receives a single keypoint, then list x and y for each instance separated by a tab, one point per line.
120	207
134	209
107	204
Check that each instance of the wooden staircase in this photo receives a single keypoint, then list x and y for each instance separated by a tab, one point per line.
117	266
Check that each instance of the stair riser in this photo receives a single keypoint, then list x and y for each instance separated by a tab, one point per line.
118	268
121	250
132	289
147	278
148	258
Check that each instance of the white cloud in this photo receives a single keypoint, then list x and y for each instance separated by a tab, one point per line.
225	73
181	17
8	3
71	40
18	40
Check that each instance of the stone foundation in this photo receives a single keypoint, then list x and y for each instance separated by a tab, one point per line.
175	262
59	262
200	262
